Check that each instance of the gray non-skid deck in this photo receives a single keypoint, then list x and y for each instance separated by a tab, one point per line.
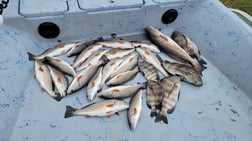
220	110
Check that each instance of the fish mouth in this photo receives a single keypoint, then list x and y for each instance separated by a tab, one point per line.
152	31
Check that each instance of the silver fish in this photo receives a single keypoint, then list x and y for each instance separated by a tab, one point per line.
188	45
171	86
117	44
85	54
122	77
121	91
135	109
100	109
147	45
92	60
129	63
82	78
109	68
80	46
55	51
94	85
152	59
187	73
148	70
118	53
172	48
154	96
61	65
59	80
43	76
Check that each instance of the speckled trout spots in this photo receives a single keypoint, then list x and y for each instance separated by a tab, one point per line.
41	69
164	37
79	78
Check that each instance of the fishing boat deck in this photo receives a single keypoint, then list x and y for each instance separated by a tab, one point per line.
220	110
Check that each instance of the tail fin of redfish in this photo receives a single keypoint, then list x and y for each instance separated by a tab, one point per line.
69	111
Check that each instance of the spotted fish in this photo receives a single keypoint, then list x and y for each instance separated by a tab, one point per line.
144	44
118	53
94	85
117	44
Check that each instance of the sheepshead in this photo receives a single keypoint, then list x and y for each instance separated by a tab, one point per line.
152	59
43	76
172	48
100	109
82	78
117	44
55	51
61	65
154	96
92	60
121	91
118	53
135	109
122	77
187	73
148	70
188	45
147	45
94	85
129	63
109	68
80	46
171	86
86	53
59	80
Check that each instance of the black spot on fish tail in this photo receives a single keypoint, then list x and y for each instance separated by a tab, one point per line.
31	57
69	111
163	118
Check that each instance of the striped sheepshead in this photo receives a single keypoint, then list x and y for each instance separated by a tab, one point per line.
82	78
95	84
122	44
44	78
188	45
59	80
171	86
61	65
55	51
152	59
135	109
122	77
187	73
85	54
154	96
171	48
100	109
119	92
149	71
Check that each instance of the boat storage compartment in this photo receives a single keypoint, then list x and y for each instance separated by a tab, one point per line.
220	110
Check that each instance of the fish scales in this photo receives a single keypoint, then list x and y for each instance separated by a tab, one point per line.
99	109
172	48
135	109
148	70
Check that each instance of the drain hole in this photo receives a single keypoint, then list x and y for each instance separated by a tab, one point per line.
48	30
169	16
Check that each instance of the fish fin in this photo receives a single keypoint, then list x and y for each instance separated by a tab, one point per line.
202	61
170	110
117	113
160	117
69	111
31	57
153	113
105	59
58	98
88	105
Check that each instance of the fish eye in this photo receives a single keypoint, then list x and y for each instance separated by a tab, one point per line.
169	16
48	30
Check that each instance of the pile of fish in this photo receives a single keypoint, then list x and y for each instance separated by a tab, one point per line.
112	63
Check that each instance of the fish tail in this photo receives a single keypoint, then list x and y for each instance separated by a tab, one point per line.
69	111
202	62
105	59
153	113
162	117
58	98
31	56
